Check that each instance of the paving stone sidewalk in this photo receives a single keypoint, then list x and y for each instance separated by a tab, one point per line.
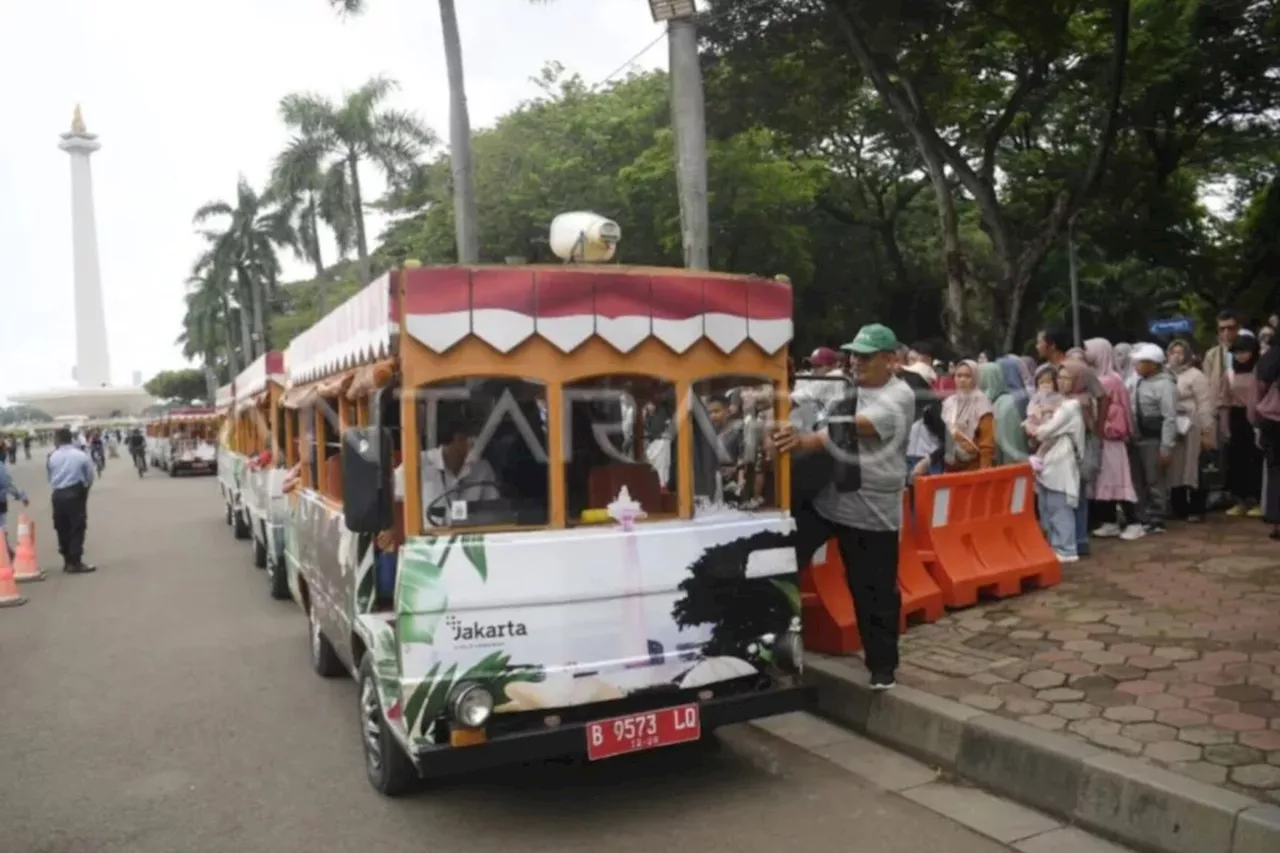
1167	649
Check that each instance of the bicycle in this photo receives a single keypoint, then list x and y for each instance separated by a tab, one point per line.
140	462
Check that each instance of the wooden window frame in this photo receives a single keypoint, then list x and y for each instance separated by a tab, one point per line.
291	455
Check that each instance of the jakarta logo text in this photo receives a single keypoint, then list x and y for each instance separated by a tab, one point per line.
467	632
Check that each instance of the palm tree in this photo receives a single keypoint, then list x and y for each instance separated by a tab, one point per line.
308	199
208	330
335	138
465	216
246	251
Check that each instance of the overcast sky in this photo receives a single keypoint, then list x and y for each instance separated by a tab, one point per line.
183	96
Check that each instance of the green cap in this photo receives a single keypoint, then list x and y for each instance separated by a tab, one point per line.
871	339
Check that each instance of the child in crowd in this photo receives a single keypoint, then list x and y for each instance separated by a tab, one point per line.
1044	402
1155	431
1055	422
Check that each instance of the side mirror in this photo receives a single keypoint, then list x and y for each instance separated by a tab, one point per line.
367	498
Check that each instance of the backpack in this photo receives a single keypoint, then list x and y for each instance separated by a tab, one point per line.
1117	426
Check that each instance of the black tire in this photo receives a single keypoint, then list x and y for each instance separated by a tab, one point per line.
324	660
277	579
240	528
386	765
173	472
228	518
259	554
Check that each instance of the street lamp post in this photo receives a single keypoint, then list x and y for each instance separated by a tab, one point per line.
688	121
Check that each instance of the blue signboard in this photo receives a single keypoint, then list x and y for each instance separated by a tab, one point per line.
1171	326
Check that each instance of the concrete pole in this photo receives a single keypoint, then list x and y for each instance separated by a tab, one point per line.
688	120
93	365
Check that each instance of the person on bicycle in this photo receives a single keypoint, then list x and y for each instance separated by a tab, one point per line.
97	451
137	446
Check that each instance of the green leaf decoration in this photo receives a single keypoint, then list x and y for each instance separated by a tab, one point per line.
448	546
413	707
436	698
473	547
791	591
364	592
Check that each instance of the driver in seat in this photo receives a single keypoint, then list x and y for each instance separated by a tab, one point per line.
450	470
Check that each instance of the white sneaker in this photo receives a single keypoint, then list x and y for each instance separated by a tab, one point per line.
1132	532
1110	530
1064	558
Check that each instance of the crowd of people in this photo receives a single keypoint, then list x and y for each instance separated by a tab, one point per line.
1121	438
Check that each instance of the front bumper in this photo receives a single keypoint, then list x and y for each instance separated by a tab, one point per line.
200	466
570	739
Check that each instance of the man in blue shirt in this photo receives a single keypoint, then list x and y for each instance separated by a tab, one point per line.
8	490
70	476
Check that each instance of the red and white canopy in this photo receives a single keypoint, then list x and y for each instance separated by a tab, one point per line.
357	331
269	367
566	306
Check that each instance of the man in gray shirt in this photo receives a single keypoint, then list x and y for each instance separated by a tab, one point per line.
865	520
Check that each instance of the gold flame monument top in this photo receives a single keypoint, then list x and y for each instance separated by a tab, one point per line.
77	121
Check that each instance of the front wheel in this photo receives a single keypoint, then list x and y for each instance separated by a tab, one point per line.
240	528
389	769
278	578
259	554
324	660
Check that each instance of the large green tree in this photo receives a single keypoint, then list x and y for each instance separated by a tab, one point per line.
336	138
243	237
182	386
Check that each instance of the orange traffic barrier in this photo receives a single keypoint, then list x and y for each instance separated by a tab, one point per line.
978	535
826	607
9	595
26	567
830	621
922	599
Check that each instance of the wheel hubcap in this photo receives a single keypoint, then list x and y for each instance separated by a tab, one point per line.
371	722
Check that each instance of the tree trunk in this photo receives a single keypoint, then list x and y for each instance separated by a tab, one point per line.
246	332
229	337
688	119
255	289
952	257
357	202
465	214
210	381
316	258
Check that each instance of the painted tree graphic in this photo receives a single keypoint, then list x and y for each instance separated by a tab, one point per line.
739	609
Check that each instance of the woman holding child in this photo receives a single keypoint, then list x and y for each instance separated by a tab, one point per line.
1056	426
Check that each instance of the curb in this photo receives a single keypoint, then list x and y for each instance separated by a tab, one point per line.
1128	801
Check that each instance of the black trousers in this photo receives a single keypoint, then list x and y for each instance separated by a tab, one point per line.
1187	501
870	559
70	518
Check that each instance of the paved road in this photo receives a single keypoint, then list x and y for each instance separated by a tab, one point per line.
166	704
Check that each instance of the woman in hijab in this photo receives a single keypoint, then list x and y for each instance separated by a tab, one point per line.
1112	489
970	417
1123	364
1020	380
1238	397
1196	412
1011	441
1032	366
1268	422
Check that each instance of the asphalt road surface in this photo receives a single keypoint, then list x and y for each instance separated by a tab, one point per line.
165	705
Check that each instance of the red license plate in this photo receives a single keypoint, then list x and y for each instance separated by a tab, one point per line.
646	730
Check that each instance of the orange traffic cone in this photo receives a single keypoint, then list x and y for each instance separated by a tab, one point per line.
9	595
25	566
